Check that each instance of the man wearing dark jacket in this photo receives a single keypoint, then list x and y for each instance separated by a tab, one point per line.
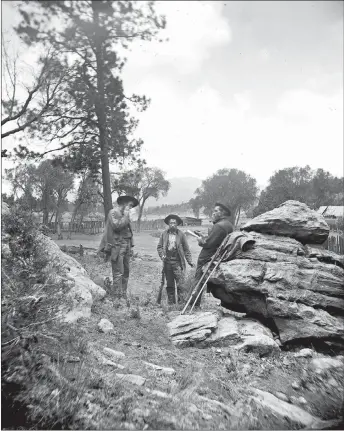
221	228
117	242
173	249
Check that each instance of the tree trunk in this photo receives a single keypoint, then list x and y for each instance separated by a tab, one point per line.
140	217
45	207
59	230
101	114
56	219
75	211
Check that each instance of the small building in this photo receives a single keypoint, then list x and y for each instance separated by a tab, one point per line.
333	216
191	221
333	212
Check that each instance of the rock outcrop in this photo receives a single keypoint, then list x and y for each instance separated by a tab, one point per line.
297	290
292	219
82	290
278	282
74	292
210	329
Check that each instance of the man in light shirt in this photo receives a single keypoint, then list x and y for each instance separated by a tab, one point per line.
173	250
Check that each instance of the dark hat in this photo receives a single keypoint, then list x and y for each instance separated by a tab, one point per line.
124	200
173	216
224	207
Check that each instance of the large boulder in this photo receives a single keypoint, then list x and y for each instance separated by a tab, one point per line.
298	292
82	290
292	219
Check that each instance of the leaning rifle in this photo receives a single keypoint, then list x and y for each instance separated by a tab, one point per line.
163	277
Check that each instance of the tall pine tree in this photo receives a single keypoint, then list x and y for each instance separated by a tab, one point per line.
91	120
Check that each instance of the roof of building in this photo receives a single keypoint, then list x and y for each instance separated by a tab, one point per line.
332	211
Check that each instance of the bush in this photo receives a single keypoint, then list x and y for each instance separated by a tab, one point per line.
32	336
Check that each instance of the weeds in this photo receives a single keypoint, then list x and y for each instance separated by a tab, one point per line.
35	344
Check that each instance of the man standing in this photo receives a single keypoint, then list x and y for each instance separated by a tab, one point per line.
173	249
117	242
221	228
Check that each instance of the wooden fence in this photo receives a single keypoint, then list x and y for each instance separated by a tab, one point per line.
335	242
87	227
149	225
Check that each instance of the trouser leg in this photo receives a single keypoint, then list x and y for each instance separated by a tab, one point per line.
179	277
198	276
116	278
169	282
125	278
120	269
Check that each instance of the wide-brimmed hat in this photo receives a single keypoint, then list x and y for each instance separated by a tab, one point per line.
223	206
173	216
124	200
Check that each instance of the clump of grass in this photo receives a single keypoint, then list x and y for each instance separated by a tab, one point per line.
135	313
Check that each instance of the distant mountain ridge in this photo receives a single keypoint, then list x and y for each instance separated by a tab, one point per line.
182	190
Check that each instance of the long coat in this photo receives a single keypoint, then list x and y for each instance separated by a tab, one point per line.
216	235
117	227
182	245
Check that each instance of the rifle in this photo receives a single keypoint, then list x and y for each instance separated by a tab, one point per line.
200	283
161	284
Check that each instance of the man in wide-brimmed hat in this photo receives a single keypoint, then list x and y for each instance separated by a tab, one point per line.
222	226
173	249
117	242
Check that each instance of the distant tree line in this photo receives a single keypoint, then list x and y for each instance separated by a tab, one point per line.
44	188
239	190
164	209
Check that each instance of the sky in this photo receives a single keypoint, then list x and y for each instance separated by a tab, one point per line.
256	86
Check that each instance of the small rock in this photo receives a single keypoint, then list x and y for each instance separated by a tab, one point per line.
302	400
261	344
113	353
207	417
73	359
193	408
296	386
105	326
321	365
132	378
55	392
286	361
158	393
294	400
165	370
113	364
282	396
333	382
128	426
304	353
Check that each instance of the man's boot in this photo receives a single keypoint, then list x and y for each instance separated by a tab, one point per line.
170	295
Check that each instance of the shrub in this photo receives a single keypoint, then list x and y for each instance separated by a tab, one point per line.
32	337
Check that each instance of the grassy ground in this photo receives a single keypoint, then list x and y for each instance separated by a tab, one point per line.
210	388
145	241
